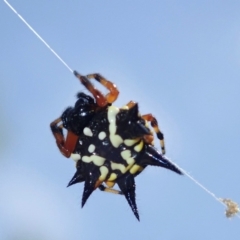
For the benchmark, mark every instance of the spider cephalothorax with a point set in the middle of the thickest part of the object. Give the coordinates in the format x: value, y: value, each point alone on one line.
x: 109, y: 144
x: 74, y: 119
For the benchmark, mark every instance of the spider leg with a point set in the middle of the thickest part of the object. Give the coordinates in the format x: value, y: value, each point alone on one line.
x: 100, y: 99
x: 110, y: 190
x: 66, y: 146
x: 150, y: 118
x: 113, y: 91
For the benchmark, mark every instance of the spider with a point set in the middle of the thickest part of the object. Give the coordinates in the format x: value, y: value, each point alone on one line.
x: 109, y: 144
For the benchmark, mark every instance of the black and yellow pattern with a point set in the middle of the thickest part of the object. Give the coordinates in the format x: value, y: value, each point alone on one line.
x: 110, y: 145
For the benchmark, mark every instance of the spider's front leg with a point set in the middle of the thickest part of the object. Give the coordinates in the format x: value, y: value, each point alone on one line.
x: 113, y: 91
x: 66, y: 146
x: 100, y: 99
x: 150, y: 118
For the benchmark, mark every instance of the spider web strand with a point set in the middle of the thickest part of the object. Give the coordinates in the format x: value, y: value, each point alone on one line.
x: 220, y: 200
x: 29, y: 26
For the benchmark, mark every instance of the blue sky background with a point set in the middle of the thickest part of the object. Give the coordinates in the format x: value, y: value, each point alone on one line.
x: 179, y: 59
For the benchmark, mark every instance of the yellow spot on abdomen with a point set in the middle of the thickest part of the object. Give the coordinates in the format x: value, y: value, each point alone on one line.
x: 139, y: 146
x: 130, y: 142
x: 104, y: 171
x: 115, y: 139
x: 135, y: 168
x: 112, y: 177
x: 118, y: 166
x: 101, y: 135
x: 126, y: 155
x: 97, y: 160
x: 75, y: 156
x: 91, y: 148
x: 87, y: 131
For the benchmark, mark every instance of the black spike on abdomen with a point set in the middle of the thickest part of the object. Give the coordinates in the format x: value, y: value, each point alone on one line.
x: 89, y: 185
x: 152, y: 157
x: 127, y: 185
x: 77, y: 178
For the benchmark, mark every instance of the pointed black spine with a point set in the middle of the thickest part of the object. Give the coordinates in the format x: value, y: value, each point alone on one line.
x: 77, y: 178
x: 127, y: 185
x: 90, y: 185
x: 152, y: 157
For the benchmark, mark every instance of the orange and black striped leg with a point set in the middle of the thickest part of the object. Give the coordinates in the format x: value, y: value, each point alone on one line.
x: 100, y: 99
x: 150, y: 118
x: 113, y: 91
x: 110, y: 190
x: 66, y: 146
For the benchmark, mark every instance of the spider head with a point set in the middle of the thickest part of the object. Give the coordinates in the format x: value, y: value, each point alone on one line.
x: 76, y: 118
x: 130, y: 124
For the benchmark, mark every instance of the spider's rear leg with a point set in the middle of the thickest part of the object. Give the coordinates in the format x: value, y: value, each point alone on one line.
x: 113, y: 91
x: 150, y: 118
x: 100, y: 99
x: 110, y: 190
x: 66, y: 146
